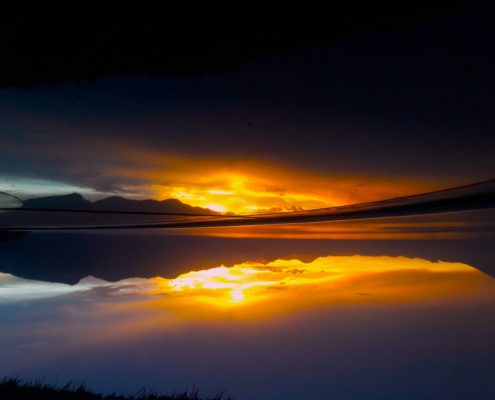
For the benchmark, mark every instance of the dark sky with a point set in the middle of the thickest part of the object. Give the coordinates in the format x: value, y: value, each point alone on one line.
x: 389, y: 106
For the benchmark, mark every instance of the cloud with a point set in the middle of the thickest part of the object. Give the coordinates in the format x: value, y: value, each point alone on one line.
x: 262, y: 289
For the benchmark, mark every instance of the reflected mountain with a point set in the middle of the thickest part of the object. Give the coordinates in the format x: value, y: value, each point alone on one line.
x: 256, y: 289
x: 8, y: 235
x: 69, y: 257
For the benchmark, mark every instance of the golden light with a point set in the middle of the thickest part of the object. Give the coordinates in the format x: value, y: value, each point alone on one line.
x: 251, y: 186
x: 216, y: 207
x: 283, y: 285
x: 242, y: 194
x: 220, y: 285
x: 220, y: 192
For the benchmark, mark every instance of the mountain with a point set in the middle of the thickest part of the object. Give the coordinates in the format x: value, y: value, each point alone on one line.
x: 75, y: 201
x: 72, y: 201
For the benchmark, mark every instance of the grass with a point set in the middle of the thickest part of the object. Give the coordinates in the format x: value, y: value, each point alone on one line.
x: 15, y: 389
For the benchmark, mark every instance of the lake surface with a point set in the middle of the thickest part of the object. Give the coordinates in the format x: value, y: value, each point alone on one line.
x: 406, y: 313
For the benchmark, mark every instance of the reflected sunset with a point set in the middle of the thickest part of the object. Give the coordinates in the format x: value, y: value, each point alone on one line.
x: 283, y: 286
x: 257, y: 289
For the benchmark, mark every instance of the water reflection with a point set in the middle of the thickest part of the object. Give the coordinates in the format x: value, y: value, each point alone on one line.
x: 298, y: 328
x: 255, y: 289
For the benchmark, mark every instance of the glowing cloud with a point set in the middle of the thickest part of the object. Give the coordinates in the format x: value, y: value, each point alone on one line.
x: 256, y: 289
x: 241, y: 195
x: 251, y: 186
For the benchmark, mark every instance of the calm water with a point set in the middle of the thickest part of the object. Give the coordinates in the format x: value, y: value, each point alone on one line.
x: 258, y: 313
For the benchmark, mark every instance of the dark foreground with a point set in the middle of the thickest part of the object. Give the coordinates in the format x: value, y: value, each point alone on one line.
x: 14, y: 389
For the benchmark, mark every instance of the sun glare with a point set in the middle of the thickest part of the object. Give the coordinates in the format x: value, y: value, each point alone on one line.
x: 216, y: 207
x: 242, y: 195
x: 220, y: 285
x: 288, y: 284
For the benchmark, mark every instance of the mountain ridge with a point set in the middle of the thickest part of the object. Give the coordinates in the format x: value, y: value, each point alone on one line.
x: 76, y: 201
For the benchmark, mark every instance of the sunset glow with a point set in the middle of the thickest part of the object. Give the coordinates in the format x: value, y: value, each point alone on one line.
x: 270, y: 189
x: 284, y: 285
x: 243, y: 195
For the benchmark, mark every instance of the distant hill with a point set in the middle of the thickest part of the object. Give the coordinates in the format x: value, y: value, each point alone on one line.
x: 75, y: 201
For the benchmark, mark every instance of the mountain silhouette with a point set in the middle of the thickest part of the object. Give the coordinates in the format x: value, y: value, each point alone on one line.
x: 75, y: 201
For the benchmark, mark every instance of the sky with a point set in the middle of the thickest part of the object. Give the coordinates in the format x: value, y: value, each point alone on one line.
x: 378, y: 113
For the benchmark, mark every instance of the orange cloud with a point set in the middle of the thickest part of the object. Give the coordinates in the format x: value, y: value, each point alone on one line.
x: 224, y: 184
x: 245, y: 187
x: 256, y: 289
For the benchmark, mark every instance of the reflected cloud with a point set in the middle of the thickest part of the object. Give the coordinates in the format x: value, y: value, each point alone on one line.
x: 13, y: 288
x: 254, y: 289
x: 257, y: 289
x: 215, y: 326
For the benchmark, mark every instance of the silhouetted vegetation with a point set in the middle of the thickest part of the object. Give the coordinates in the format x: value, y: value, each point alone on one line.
x: 15, y: 389
x: 86, y: 45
